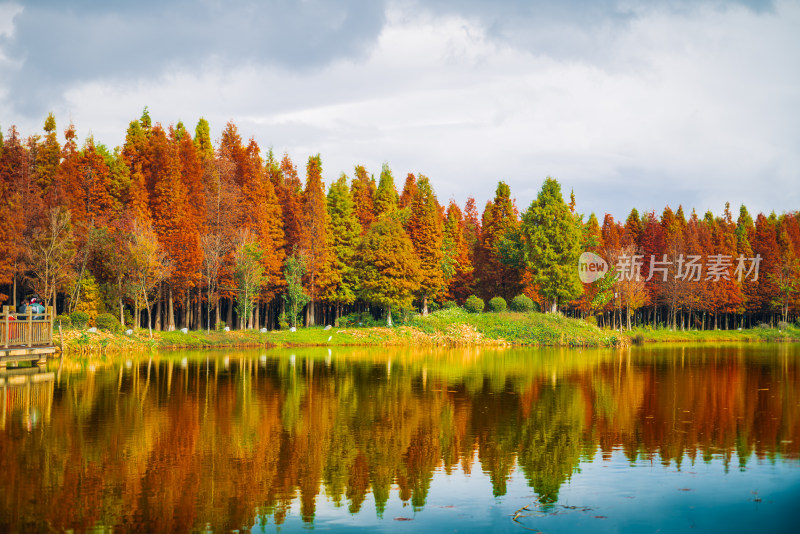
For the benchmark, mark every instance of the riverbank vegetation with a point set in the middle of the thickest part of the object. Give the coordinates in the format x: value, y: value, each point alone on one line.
x: 171, y: 231
x: 444, y: 328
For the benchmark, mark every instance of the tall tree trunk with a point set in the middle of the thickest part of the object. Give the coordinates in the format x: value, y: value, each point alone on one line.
x: 170, y: 311
x: 424, y: 304
x: 198, y: 312
x: 158, y: 308
x: 229, y: 315
x: 389, y: 316
x: 310, y: 314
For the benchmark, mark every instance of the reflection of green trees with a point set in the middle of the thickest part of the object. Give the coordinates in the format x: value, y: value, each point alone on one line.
x: 221, y: 439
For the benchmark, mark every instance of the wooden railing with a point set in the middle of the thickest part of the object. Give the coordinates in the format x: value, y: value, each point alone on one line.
x: 30, y: 329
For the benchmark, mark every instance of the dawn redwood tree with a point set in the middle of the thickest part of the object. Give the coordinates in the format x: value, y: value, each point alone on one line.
x: 591, y: 241
x: 472, y: 225
x: 667, y: 261
x: 177, y: 231
x: 136, y: 155
x: 425, y: 229
x: 89, y: 189
x: 315, y: 239
x: 289, y: 188
x: 651, y: 245
x: 409, y: 190
x: 461, y: 284
x: 495, y: 278
x: 263, y: 216
x: 552, y: 245
x: 611, y: 233
x: 765, y: 244
x: 386, y: 197
x: 787, y: 275
x: 345, y: 234
x: 363, y: 189
x: 633, y: 230
x: 48, y: 159
x: 387, y: 267
x: 202, y: 140
x: 11, y: 206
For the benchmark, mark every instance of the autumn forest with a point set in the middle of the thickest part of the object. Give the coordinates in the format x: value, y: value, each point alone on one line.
x: 171, y: 231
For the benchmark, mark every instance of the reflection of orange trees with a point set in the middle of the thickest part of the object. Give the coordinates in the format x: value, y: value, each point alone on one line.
x: 224, y: 441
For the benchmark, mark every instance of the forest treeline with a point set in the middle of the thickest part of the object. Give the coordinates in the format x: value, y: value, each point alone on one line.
x: 171, y: 230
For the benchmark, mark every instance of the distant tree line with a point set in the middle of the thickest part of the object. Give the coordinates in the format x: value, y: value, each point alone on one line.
x: 171, y: 230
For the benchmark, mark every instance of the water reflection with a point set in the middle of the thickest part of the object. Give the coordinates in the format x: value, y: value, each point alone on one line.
x: 214, y: 440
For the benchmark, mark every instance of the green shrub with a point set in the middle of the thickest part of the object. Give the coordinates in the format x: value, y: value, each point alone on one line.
x: 591, y: 319
x: 360, y: 319
x: 497, y: 304
x: 64, y: 320
x: 107, y: 322
x: 79, y: 319
x: 783, y: 325
x: 521, y: 303
x: 283, y: 321
x: 449, y: 304
x: 474, y: 304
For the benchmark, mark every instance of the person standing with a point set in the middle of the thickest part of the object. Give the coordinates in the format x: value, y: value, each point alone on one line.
x: 38, y: 308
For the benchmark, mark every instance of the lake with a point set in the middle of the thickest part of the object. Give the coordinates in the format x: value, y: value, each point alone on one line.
x: 672, y: 438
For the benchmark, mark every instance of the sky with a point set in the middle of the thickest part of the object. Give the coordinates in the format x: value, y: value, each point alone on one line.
x: 627, y: 103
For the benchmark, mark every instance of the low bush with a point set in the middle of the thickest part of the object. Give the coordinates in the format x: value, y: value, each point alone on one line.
x: 449, y: 304
x: 79, y: 319
x: 107, y: 322
x: 521, y: 303
x: 474, y: 304
x: 497, y: 305
x: 283, y: 321
x: 783, y: 325
x: 360, y: 319
x: 64, y: 321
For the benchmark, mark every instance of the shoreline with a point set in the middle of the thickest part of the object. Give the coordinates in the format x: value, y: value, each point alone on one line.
x: 448, y: 328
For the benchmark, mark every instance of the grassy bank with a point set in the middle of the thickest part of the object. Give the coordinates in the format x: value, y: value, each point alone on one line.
x: 453, y: 327
x: 648, y: 335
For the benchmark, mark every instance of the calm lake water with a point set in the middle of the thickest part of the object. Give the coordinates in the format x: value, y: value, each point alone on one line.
x: 648, y: 439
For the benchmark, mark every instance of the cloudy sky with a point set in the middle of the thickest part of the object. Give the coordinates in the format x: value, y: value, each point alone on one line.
x: 630, y: 103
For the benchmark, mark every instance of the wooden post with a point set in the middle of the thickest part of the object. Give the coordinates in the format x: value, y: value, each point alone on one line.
x: 8, y: 331
x: 50, y: 312
x: 29, y: 333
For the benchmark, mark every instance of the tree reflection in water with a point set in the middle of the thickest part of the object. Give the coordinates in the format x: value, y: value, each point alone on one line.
x: 188, y: 441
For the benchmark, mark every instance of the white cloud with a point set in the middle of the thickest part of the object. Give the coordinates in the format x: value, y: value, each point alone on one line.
x: 693, y: 108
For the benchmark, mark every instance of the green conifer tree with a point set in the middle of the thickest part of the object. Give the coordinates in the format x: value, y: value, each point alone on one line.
x: 387, y: 267
x: 552, y: 245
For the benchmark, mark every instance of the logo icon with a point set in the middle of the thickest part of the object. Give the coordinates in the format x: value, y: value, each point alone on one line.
x: 591, y: 267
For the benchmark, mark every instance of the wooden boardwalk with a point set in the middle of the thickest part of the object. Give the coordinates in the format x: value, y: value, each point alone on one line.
x: 26, y: 337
